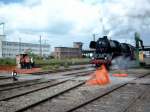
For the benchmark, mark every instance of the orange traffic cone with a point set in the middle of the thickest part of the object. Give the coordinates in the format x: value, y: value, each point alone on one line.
x: 100, y: 77
x: 120, y: 75
x: 92, y: 80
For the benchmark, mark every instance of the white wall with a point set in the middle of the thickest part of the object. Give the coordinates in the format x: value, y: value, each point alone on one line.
x: 11, y: 49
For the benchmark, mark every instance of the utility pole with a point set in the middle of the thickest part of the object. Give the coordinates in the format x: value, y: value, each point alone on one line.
x: 49, y: 49
x: 2, y: 36
x: 94, y: 37
x: 19, y: 45
x: 3, y: 27
x: 40, y: 47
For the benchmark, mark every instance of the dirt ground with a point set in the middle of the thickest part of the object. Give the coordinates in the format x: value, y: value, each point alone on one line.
x: 9, y: 69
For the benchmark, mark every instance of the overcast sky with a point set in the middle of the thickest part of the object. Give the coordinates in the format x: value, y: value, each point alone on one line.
x: 61, y: 22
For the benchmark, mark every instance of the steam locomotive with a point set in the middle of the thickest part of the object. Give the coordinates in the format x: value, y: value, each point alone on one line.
x: 106, y: 50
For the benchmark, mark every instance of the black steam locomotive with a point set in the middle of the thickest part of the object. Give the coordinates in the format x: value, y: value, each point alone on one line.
x: 106, y: 50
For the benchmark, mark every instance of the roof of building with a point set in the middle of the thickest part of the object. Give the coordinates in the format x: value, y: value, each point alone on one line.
x: 24, y: 43
x: 67, y: 47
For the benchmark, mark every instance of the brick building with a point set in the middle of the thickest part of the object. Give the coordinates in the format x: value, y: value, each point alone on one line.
x: 69, y: 52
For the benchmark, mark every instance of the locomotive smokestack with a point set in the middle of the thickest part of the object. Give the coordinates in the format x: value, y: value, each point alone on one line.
x: 93, y: 37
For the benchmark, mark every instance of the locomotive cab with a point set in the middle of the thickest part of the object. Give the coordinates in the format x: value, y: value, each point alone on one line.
x: 93, y: 45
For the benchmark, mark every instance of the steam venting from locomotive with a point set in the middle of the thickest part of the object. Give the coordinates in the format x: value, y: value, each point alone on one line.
x: 122, y: 63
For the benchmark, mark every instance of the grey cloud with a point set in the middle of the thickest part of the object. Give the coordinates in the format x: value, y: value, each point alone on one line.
x: 56, y: 28
x: 61, y: 27
x: 136, y: 18
x: 10, y: 1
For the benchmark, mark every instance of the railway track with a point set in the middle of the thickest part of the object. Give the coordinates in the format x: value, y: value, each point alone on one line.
x: 16, y: 85
x: 23, y: 84
x: 74, y: 99
x: 141, y: 104
x: 70, y: 95
x: 13, y: 93
x: 120, y: 100
x: 2, y: 78
x: 23, y: 102
x: 70, y: 100
x: 117, y: 101
x: 5, y: 80
x: 60, y: 70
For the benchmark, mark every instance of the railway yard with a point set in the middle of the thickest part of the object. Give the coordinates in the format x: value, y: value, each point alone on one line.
x: 74, y: 56
x: 67, y: 91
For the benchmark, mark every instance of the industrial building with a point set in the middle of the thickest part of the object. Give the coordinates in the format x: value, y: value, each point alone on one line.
x: 69, y: 52
x: 11, y: 49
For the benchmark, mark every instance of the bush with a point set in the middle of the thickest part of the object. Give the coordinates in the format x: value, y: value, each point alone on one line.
x: 52, y: 64
x: 61, y: 62
x: 66, y: 65
x: 8, y: 61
